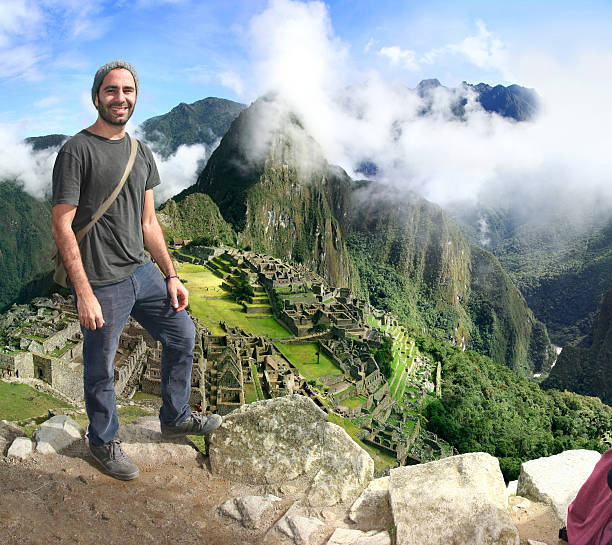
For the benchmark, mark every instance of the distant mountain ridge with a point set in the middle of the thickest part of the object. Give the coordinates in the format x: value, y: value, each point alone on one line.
x: 202, y: 122
x: 513, y: 101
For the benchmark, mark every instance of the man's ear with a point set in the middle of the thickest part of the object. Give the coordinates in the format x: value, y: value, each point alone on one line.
x: 96, y: 101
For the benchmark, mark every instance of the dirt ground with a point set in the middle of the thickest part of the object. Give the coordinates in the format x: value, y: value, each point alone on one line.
x: 65, y: 499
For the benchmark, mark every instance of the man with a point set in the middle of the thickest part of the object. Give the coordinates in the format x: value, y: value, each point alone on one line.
x: 110, y: 275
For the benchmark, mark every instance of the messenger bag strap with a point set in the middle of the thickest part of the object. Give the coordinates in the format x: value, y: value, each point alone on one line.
x: 104, y: 206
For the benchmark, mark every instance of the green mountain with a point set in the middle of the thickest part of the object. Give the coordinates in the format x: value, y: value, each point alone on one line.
x: 203, y: 122
x: 25, y: 245
x: 588, y: 370
x: 277, y: 191
x: 562, y: 262
x: 274, y: 187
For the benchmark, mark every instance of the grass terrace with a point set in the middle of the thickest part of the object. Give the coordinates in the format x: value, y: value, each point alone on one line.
x: 382, y: 460
x: 20, y: 401
x: 304, y: 357
x: 354, y: 401
x: 210, y: 304
x: 404, y: 352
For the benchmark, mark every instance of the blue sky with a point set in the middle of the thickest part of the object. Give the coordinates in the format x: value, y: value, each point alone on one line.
x: 185, y: 50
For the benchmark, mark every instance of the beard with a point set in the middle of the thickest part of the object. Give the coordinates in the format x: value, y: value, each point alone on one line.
x: 107, y: 115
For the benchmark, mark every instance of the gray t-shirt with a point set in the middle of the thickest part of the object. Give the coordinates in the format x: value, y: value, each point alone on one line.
x: 86, y: 171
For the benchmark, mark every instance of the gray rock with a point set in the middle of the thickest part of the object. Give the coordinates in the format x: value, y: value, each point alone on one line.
x: 288, y: 439
x: 21, y: 448
x: 298, y: 528
x: 56, y: 434
x: 534, y: 542
x: 8, y: 433
x: 250, y: 511
x: 372, y: 508
x: 555, y: 480
x: 144, y: 443
x: 456, y: 500
x: 512, y: 488
x: 230, y: 509
x: 344, y: 536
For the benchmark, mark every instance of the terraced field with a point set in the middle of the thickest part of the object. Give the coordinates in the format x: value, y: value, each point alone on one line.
x: 211, y: 304
x: 404, y: 352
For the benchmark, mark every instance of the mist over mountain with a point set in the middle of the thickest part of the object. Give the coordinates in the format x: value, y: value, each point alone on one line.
x: 272, y: 184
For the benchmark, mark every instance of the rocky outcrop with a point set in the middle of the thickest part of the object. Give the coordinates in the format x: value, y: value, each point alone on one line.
x: 56, y: 434
x: 555, y: 480
x: 372, y: 506
x: 8, y: 433
x: 250, y: 511
x: 457, y: 500
x: 288, y: 441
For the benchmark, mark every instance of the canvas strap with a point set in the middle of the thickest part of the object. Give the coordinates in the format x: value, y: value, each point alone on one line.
x: 104, y: 206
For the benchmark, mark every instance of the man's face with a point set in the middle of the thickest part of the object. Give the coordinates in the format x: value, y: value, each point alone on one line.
x: 116, y: 97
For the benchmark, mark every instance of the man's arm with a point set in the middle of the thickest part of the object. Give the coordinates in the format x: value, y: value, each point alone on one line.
x: 155, y: 242
x: 88, y: 307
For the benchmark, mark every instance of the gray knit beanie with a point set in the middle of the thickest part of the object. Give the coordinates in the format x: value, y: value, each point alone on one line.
x: 105, y: 69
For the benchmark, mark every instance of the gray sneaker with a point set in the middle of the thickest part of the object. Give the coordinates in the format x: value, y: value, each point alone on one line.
x: 196, y: 424
x: 116, y: 462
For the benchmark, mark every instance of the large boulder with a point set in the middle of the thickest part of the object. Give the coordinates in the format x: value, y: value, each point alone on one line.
x: 453, y: 501
x: 289, y: 440
x: 56, y: 434
x: 372, y: 507
x: 21, y: 448
x: 555, y: 480
x: 8, y: 433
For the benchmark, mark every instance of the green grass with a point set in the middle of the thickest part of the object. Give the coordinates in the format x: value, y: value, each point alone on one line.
x: 304, y: 357
x: 354, y: 401
x: 250, y: 395
x: 382, y: 460
x: 203, y: 286
x: 258, y: 390
x: 20, y: 401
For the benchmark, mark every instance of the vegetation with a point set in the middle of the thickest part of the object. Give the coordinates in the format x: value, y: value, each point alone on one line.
x: 210, y: 305
x: 20, y: 402
x: 25, y: 245
x: 202, y: 122
x: 486, y: 407
x: 309, y: 360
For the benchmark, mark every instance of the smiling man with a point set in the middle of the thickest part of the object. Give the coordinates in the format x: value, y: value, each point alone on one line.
x: 111, y: 276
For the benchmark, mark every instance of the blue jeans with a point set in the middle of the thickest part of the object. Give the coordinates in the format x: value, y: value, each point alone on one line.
x: 143, y: 296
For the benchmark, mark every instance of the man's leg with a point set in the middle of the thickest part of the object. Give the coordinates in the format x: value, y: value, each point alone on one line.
x: 99, y: 347
x: 176, y: 332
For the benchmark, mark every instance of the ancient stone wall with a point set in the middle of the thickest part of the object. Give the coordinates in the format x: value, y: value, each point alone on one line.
x: 67, y: 377
x: 59, y: 339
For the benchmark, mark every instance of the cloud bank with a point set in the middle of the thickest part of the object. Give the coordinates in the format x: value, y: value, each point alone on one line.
x: 560, y: 159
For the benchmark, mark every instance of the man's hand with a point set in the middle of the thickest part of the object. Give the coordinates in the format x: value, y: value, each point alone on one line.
x: 179, y: 296
x: 90, y: 312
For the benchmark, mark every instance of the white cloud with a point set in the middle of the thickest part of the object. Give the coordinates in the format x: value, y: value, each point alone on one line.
x: 405, y: 58
x: 178, y: 171
x: 563, y: 155
x: 232, y: 81
x: 47, y: 102
x: 18, y: 162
